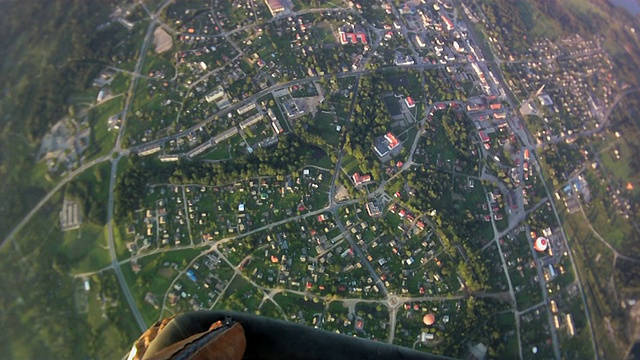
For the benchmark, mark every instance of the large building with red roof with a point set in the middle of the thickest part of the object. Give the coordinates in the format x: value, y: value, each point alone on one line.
x: 448, y: 24
x: 409, y: 102
x: 360, y: 179
x: 391, y: 140
x: 352, y: 34
x: 275, y: 6
x: 385, y: 144
x: 483, y: 136
x: 372, y: 209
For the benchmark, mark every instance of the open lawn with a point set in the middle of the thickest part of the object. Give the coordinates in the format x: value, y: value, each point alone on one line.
x: 269, y: 309
x: 158, y: 62
x: 86, y: 247
x: 621, y: 171
x: 303, y: 5
x: 299, y: 308
x: 507, y: 321
x: 155, y: 278
x: 595, y: 277
x: 325, y: 125
x: 40, y: 175
x: 97, y: 321
x: 323, y: 162
x: 41, y: 229
x: 112, y: 325
x: 101, y: 139
x: 349, y: 164
x: 240, y: 296
x: 538, y: 24
x: 120, y: 83
x: 219, y: 152
x: 392, y: 104
x: 120, y: 239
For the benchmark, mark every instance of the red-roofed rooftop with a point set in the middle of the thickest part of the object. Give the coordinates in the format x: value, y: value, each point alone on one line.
x: 360, y: 179
x: 393, y: 142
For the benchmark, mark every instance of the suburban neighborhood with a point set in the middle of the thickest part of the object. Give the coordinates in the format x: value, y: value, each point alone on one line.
x: 390, y: 170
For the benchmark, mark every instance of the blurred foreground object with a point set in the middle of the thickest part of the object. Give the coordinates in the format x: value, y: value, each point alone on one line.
x: 228, y: 335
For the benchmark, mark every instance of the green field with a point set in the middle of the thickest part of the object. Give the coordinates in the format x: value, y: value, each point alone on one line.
x: 219, y: 152
x: 325, y: 125
x: 87, y: 248
x: 251, y: 232
x: 538, y: 24
x: 120, y: 83
x: 45, y: 258
x: 392, y: 105
x: 240, y: 296
x: 155, y: 278
x: 103, y: 140
x: 507, y: 321
x: 350, y: 164
x: 595, y: 278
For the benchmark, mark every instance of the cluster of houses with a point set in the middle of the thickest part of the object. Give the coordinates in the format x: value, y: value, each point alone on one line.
x: 203, y: 275
x: 405, y: 215
x: 568, y: 104
x: 248, y: 116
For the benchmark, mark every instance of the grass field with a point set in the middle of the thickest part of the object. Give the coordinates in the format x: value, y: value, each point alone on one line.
x: 120, y: 83
x: 103, y: 140
x: 43, y: 227
x: 323, y: 162
x: 325, y: 126
x: 155, y: 278
x: 621, y: 170
x: 438, y: 147
x: 392, y: 104
x: 299, y: 308
x: 240, y: 296
x: 508, y: 321
x: 537, y: 24
x: 269, y: 309
x: 350, y: 164
x: 595, y: 279
x: 158, y: 62
x: 45, y: 258
x: 86, y: 247
x: 41, y: 177
x: 219, y: 152
x: 113, y: 328
x: 303, y: 5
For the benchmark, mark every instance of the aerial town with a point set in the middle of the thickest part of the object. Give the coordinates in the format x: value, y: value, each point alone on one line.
x: 387, y: 170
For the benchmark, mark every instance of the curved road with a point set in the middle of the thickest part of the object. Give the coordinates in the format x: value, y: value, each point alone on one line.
x: 44, y: 200
x: 332, y: 206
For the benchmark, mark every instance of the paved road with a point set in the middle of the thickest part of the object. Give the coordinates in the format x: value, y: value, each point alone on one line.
x: 112, y: 251
x: 225, y: 34
x: 134, y: 81
x: 363, y: 259
x: 114, y: 170
x: 332, y: 207
x: 502, y: 259
x: 53, y: 191
x: 405, y: 33
x: 615, y: 252
x: 523, y: 136
x: 268, y: 90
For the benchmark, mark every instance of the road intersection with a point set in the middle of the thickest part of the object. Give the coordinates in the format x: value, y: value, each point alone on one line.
x: 392, y: 301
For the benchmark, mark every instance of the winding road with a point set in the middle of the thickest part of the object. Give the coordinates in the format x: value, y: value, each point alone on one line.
x: 392, y: 301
